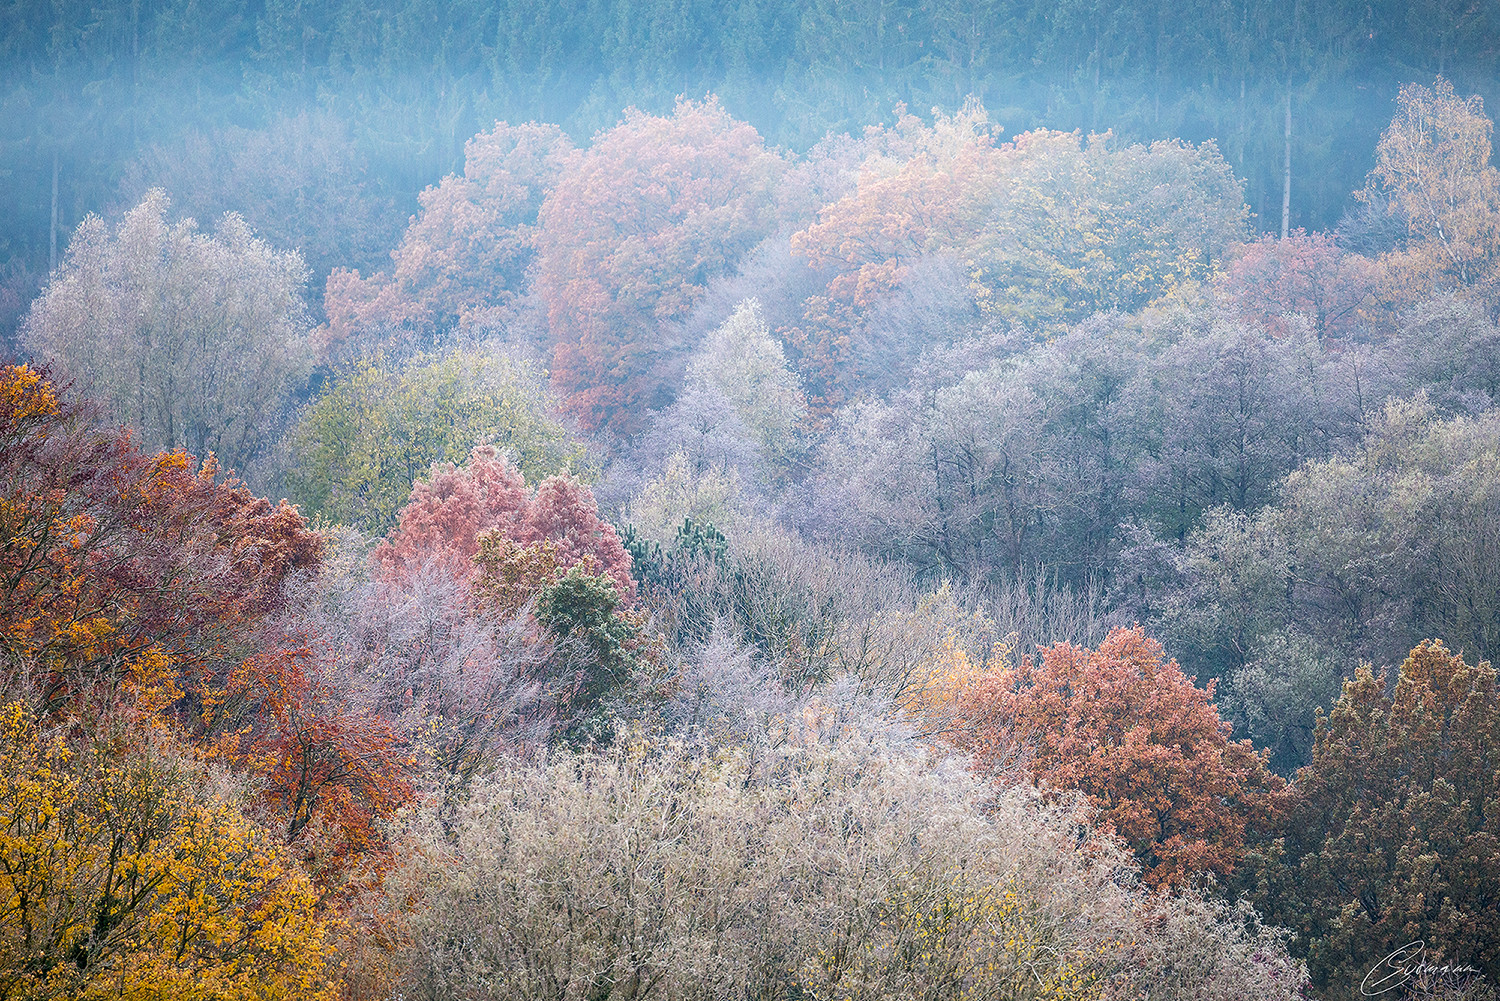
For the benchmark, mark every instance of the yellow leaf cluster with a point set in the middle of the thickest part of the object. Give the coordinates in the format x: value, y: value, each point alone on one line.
x: 25, y: 395
x: 122, y: 876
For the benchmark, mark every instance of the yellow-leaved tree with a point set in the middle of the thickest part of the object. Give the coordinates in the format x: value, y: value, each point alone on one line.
x: 1433, y: 172
x: 125, y: 873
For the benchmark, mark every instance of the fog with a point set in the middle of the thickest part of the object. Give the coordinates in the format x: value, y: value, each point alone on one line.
x: 121, y: 96
x: 780, y: 500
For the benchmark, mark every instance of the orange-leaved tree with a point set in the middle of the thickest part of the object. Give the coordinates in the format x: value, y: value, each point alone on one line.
x: 466, y: 254
x: 140, y: 582
x: 630, y: 236
x: 112, y: 559
x: 934, y: 199
x: 1147, y: 747
x: 329, y: 769
x: 1433, y: 173
x: 867, y: 241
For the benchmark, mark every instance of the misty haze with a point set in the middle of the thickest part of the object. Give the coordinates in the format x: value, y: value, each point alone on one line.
x: 847, y: 500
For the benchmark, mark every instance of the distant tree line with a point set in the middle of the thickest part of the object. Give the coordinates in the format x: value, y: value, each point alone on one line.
x: 321, y: 122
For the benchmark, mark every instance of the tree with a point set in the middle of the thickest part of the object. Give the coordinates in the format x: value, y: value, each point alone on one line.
x: 466, y: 254
x: 330, y: 770
x: 949, y: 488
x: 548, y: 585
x: 1304, y: 274
x: 1226, y: 592
x: 1393, y: 830
x: 133, y: 581
x: 1398, y: 540
x: 359, y: 448
x: 124, y: 873
x: 607, y: 641
x: 822, y: 864
x: 1449, y: 347
x: 709, y: 496
x: 932, y: 198
x: 1433, y: 169
x: 1078, y: 227
x: 1276, y: 699
x: 461, y: 681
x: 998, y: 466
x: 629, y: 237
x: 112, y: 558
x: 1134, y: 734
x: 1226, y: 411
x: 1049, y: 229
x: 447, y: 517
x: 199, y: 341
x: 741, y: 361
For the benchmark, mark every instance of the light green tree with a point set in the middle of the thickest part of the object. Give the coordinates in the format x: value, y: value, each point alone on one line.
x: 743, y: 362
x: 357, y: 450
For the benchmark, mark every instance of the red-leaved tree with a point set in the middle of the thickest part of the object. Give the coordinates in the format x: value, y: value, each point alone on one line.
x: 449, y: 514
x: 1134, y: 734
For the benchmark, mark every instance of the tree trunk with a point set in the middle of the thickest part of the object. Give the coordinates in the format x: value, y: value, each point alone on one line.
x: 1286, y: 167
x: 1242, y: 125
x: 52, y: 235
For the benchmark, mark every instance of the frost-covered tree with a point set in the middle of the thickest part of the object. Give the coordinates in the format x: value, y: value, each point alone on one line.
x: 197, y: 340
x: 744, y: 363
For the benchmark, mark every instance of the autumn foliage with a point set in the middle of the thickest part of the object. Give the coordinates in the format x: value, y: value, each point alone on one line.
x: 903, y: 431
x: 867, y: 240
x: 124, y: 874
x: 1393, y: 835
x: 448, y: 516
x: 136, y: 586
x: 1048, y: 228
x: 542, y: 555
x: 630, y: 236
x: 1433, y: 174
x: 330, y: 772
x: 1129, y: 729
x: 1303, y: 275
x: 109, y: 554
x: 463, y: 260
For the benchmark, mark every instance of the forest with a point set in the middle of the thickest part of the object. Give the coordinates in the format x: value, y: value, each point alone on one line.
x: 322, y: 122
x: 764, y: 543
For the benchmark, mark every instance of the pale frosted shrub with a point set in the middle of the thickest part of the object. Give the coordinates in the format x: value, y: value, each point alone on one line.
x: 824, y: 864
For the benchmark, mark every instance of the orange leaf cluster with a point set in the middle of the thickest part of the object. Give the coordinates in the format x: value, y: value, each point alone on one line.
x: 330, y: 771
x: 1137, y: 737
x: 866, y: 239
